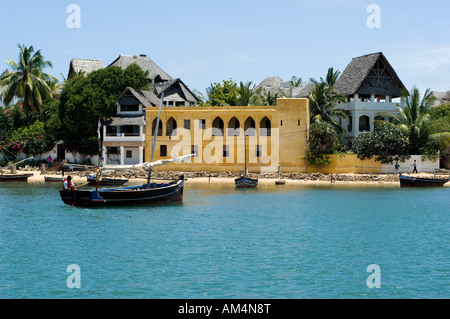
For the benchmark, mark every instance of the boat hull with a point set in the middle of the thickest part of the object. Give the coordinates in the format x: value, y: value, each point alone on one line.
x: 408, y: 181
x: 15, y: 178
x: 245, y: 182
x: 92, y: 181
x: 139, y: 195
x: 52, y: 179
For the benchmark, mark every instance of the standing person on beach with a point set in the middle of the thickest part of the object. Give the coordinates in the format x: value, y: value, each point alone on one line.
x: 396, y: 166
x: 415, y: 167
x: 279, y: 168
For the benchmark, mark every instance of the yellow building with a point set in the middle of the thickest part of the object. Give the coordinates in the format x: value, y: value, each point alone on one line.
x: 273, y: 135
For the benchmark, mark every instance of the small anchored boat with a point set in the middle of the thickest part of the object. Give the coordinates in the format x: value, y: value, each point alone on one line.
x: 15, y: 177
x: 246, y: 182
x: 410, y: 181
x: 243, y: 181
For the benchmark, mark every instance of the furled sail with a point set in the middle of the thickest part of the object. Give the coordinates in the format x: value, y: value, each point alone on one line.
x: 146, y: 166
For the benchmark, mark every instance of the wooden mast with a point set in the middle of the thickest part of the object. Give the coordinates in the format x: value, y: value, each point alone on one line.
x: 155, y: 134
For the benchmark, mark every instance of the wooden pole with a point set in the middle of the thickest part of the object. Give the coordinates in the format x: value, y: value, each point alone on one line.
x: 155, y: 134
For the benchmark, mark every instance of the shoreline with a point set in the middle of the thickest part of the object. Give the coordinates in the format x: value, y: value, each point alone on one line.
x: 313, y: 179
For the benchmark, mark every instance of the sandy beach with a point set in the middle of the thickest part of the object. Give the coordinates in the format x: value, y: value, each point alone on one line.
x: 339, y: 179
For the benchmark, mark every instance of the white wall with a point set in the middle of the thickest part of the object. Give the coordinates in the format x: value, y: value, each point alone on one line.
x: 406, y: 167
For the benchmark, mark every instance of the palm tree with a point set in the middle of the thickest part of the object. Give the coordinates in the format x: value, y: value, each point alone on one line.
x: 246, y: 94
x: 27, y: 81
x: 295, y: 82
x: 414, y: 120
x: 323, y: 138
x: 330, y: 79
x: 323, y: 101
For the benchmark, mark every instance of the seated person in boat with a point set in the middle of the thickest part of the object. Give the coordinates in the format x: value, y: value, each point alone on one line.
x: 68, y: 184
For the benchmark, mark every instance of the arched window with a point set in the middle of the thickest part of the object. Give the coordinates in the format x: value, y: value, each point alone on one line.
x: 171, y: 128
x: 249, y: 127
x: 233, y: 127
x: 217, y: 127
x: 265, y: 127
x: 160, y: 127
x: 364, y: 124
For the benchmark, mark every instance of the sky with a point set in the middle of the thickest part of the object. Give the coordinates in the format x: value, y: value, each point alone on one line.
x: 202, y: 42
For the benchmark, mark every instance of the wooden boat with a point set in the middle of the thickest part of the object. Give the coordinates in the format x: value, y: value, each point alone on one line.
x: 409, y: 181
x: 155, y: 193
x: 92, y: 181
x: 149, y: 193
x: 280, y: 182
x: 52, y: 179
x: 15, y: 177
x: 244, y: 181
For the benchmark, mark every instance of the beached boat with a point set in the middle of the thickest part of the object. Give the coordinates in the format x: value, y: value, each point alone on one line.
x: 15, y: 177
x: 52, y: 179
x: 409, y: 181
x: 92, y: 181
x: 244, y: 181
x: 280, y: 182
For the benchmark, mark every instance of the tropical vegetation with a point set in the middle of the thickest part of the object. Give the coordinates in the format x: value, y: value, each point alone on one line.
x: 27, y: 80
x: 415, y: 129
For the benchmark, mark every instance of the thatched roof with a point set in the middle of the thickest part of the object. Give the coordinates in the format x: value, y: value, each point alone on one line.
x: 369, y: 74
x: 84, y: 65
x: 155, y: 72
x: 121, y: 120
x: 441, y: 97
x: 146, y: 98
x: 182, y: 89
x: 304, y: 92
x: 273, y: 85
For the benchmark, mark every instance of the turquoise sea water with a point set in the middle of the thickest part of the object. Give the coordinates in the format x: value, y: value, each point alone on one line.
x: 277, y: 242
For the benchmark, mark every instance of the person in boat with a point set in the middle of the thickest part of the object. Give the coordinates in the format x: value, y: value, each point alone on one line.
x: 68, y: 184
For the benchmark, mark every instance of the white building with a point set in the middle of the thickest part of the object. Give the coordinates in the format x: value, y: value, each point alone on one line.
x: 370, y: 85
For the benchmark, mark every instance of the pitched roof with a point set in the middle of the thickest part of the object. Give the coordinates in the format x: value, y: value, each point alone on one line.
x: 84, y: 65
x: 304, y: 92
x: 121, y: 120
x: 155, y: 72
x: 273, y: 85
x: 177, y: 83
x: 441, y: 97
x: 357, y: 71
x: 146, y: 98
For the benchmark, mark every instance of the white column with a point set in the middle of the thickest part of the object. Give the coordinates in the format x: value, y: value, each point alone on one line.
x: 105, y: 155
x: 141, y: 133
x: 372, y: 98
x: 371, y: 119
x: 141, y: 154
x: 122, y: 155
